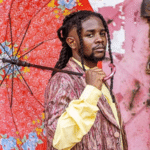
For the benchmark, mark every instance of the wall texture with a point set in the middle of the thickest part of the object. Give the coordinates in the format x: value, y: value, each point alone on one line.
x: 129, y: 34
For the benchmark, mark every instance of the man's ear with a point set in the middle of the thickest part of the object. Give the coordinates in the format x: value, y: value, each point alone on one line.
x: 71, y: 42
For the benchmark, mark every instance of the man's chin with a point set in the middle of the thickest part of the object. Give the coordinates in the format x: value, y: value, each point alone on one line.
x: 99, y: 59
x: 94, y: 59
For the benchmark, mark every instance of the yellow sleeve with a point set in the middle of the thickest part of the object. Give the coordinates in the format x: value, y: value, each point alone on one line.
x: 77, y: 120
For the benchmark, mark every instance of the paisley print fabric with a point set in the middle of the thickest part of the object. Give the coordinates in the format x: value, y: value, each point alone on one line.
x: 105, y: 132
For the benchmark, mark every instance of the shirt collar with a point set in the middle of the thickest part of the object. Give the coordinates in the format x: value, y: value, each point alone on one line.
x: 79, y: 63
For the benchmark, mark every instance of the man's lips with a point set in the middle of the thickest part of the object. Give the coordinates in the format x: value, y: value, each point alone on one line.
x: 99, y: 49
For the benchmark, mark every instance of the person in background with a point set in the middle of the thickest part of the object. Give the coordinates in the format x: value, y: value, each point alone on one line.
x: 79, y: 110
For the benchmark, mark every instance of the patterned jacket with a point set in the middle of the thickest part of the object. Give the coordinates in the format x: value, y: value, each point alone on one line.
x: 63, y: 88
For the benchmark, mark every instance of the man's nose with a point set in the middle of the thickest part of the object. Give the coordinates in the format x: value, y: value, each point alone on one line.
x: 98, y: 39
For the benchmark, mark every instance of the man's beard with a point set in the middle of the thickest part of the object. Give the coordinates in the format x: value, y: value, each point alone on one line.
x: 93, y: 59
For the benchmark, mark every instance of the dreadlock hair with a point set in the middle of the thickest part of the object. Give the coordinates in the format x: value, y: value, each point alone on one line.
x: 75, y: 20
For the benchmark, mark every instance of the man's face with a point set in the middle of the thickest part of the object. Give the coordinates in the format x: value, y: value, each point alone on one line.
x: 94, y: 39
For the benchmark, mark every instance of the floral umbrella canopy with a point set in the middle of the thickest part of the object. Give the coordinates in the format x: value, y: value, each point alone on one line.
x: 28, y: 32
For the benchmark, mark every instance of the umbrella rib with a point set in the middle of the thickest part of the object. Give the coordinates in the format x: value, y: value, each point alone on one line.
x: 38, y: 101
x: 33, y: 95
x: 13, y: 116
x: 31, y: 49
x: 5, y: 40
x: 8, y: 20
x: 11, y: 104
x: 5, y: 50
x: 4, y: 66
x: 23, y: 37
x: 28, y: 87
x: 20, y: 34
x: 7, y: 90
x: 11, y: 34
x: 24, y: 80
x: 6, y: 32
x: 51, y: 39
x: 14, y: 122
x: 5, y: 76
x: 12, y: 88
x: 35, y: 47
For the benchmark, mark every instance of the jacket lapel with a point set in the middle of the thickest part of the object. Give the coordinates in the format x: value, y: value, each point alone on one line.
x: 117, y: 107
x: 106, y: 110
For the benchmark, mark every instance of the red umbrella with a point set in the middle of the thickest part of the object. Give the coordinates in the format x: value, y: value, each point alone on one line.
x: 28, y: 33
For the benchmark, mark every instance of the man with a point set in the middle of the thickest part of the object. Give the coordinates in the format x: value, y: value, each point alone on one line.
x: 80, y: 114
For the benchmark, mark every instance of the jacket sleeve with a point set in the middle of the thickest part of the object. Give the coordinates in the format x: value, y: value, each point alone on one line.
x: 69, y: 118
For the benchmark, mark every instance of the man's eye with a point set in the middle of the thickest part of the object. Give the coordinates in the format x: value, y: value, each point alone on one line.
x: 102, y: 33
x: 90, y: 35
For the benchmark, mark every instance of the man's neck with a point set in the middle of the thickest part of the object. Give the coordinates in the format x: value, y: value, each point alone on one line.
x: 90, y: 64
x: 87, y: 63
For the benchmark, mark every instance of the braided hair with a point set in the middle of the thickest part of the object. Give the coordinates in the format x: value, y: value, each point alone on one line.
x: 75, y: 20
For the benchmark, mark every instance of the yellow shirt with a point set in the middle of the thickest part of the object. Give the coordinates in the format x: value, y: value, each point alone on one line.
x: 105, y: 92
x: 70, y: 131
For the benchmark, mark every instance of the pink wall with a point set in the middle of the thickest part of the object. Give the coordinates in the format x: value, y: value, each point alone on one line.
x: 130, y: 47
x: 135, y: 59
x: 130, y: 60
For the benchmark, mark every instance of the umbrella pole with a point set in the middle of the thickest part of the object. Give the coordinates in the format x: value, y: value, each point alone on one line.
x: 26, y: 64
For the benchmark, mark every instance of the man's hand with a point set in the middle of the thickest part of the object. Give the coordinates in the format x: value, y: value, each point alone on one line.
x: 95, y: 77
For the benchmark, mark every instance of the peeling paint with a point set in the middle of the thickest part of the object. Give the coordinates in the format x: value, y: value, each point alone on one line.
x: 121, y: 9
x: 104, y: 3
x: 114, y: 24
x: 117, y: 41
